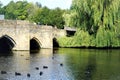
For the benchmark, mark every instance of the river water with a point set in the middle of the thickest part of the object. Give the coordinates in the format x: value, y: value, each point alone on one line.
x: 62, y: 64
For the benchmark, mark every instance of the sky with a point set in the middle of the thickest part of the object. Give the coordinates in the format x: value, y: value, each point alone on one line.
x: 63, y: 4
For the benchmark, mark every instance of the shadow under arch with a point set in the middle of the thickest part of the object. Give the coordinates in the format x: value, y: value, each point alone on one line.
x: 6, y: 43
x: 35, y: 44
x: 55, y: 43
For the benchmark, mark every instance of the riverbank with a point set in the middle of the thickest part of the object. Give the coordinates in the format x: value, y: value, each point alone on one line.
x: 82, y: 39
x: 91, y: 47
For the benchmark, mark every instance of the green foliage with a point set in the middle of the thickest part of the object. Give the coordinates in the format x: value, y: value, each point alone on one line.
x: 89, y: 15
x: 16, y: 10
x: 70, y: 19
x: 103, y: 38
x: 65, y: 41
x: 50, y: 17
x: 1, y: 8
x: 32, y: 10
x: 81, y: 39
x: 56, y: 18
x: 98, y: 20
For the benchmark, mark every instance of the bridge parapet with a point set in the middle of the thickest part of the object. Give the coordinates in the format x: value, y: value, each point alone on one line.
x: 13, y: 23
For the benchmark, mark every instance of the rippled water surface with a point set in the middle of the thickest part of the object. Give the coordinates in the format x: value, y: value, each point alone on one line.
x: 62, y: 63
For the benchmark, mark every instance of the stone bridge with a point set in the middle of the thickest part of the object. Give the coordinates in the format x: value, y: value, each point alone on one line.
x: 23, y: 35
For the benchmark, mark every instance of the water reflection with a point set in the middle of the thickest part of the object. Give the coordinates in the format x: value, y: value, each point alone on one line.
x: 84, y: 64
x: 90, y: 68
x: 78, y: 64
x: 6, y: 54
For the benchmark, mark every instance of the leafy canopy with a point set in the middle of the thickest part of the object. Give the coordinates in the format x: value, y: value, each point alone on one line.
x: 89, y: 15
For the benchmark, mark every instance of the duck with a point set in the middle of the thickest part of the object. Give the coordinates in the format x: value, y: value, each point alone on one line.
x: 17, y: 74
x: 28, y: 75
x: 41, y: 73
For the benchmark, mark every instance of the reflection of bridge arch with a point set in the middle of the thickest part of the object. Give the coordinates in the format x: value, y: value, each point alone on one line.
x: 6, y: 43
x: 35, y: 44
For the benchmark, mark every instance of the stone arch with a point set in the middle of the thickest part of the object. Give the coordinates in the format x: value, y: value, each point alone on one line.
x: 55, y: 42
x: 35, y: 44
x: 6, y: 43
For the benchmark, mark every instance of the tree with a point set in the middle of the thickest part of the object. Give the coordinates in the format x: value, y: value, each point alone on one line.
x: 56, y: 17
x: 89, y: 15
x: 20, y: 11
x: 9, y: 9
x: 1, y: 8
x: 41, y: 16
x: 32, y: 10
x: 48, y: 16
x: 98, y: 23
x: 16, y: 10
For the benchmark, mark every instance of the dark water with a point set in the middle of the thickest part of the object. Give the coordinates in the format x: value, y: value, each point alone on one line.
x: 78, y: 64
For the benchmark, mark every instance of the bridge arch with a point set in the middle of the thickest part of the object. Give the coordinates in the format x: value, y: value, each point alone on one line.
x: 6, y: 43
x: 35, y: 44
x: 55, y: 42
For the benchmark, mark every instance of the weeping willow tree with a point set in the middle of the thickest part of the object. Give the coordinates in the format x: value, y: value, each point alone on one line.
x: 89, y: 15
x: 100, y: 18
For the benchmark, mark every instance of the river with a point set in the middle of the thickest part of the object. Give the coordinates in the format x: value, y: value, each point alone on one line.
x: 61, y: 64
